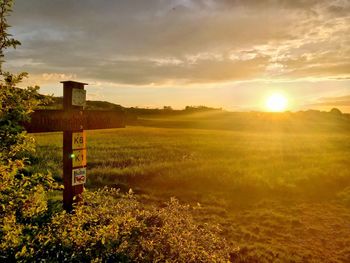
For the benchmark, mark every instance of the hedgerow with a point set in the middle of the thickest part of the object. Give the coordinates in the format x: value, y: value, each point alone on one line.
x: 112, y: 227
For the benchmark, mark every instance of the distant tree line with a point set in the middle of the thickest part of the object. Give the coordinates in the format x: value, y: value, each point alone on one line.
x: 56, y: 103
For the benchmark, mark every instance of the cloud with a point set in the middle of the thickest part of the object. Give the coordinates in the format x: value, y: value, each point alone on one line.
x: 182, y: 41
x: 327, y: 103
x: 345, y: 100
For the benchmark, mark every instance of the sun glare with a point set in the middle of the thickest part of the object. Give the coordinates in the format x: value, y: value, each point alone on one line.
x: 276, y: 102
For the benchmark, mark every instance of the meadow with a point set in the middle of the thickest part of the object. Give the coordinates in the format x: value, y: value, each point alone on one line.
x: 277, y: 185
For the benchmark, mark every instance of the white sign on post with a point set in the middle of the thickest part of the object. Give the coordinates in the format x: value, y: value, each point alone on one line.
x: 79, y: 176
x: 78, y: 97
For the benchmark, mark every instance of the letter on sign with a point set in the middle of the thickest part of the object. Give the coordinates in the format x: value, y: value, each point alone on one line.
x: 78, y: 97
x: 78, y: 140
x: 79, y: 176
x: 79, y: 158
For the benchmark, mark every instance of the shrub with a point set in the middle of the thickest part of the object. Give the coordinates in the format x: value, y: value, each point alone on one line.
x: 111, y: 227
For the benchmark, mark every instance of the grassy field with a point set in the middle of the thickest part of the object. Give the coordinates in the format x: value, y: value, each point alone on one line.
x: 280, y: 194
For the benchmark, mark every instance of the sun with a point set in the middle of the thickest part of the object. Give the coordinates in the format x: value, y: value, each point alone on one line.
x: 276, y: 102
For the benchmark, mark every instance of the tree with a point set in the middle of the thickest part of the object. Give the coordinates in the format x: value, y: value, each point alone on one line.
x: 16, y: 104
x: 335, y: 111
x: 6, y: 39
x: 22, y: 195
x: 167, y: 108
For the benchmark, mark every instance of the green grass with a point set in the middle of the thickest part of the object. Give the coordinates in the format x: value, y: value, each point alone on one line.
x: 279, y: 195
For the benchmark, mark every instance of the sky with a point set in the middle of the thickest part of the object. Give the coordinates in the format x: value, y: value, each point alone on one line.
x: 229, y: 54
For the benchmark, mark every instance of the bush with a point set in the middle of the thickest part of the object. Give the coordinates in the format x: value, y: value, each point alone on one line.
x: 111, y: 227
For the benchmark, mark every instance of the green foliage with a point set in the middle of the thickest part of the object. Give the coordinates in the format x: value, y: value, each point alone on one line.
x: 23, y: 203
x: 6, y: 39
x: 111, y: 227
x: 22, y: 194
x: 16, y: 105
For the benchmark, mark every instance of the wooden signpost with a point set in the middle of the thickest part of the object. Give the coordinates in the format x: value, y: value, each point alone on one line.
x: 73, y: 121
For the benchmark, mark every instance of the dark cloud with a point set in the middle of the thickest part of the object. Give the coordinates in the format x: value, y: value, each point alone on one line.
x: 196, y: 41
x: 203, y: 71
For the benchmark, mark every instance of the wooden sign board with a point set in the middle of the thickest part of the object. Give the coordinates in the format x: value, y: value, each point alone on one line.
x: 60, y: 120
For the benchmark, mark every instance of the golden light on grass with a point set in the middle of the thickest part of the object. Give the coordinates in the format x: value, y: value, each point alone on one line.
x: 276, y: 102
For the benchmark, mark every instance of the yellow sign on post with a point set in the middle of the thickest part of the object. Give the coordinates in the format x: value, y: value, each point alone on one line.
x: 79, y: 158
x: 78, y: 140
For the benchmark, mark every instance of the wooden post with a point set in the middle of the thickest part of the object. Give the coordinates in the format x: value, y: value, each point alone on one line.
x: 72, y: 120
x: 71, y: 106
